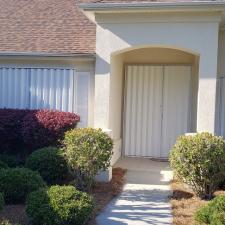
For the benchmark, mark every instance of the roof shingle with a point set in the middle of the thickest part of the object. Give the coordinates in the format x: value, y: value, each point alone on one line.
x: 52, y: 26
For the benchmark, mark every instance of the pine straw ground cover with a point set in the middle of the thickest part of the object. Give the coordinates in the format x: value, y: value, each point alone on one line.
x: 103, y: 193
x: 185, y: 203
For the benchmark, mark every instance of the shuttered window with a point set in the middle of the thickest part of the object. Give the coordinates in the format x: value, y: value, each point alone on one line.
x: 52, y: 88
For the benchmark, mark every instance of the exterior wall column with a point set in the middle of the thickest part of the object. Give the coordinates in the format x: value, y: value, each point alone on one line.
x: 206, y: 109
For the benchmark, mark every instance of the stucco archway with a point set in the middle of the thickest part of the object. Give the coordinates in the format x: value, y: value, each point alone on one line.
x: 154, y: 55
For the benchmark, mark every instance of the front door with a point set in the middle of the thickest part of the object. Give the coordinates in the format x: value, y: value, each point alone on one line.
x: 156, y: 108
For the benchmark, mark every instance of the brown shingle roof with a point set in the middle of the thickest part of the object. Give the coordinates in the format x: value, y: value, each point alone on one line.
x: 52, y: 26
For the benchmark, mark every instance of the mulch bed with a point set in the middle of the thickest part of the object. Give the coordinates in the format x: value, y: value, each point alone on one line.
x: 103, y: 193
x: 185, y: 203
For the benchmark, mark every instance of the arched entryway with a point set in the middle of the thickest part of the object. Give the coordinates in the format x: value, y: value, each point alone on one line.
x: 153, y: 96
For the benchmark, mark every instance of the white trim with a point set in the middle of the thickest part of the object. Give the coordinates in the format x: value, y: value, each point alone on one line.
x: 145, y: 17
x: 36, y: 66
x: 155, y: 6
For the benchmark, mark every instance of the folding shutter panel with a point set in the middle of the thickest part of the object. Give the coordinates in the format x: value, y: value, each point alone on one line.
x: 52, y: 88
x: 14, y: 88
x: 176, y: 102
x: 82, y: 97
x: 143, y: 110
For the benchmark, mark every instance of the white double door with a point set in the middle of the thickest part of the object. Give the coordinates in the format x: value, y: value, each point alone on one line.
x: 156, y: 109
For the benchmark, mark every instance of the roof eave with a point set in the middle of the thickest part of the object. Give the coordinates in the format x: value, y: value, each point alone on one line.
x: 156, y: 6
x: 86, y: 56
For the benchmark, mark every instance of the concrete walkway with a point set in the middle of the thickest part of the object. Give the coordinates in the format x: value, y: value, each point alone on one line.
x: 144, y: 199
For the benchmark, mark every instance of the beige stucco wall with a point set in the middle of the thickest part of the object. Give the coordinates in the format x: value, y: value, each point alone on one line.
x: 120, y: 33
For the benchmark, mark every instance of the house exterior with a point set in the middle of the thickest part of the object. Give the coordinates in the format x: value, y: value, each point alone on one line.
x: 144, y: 71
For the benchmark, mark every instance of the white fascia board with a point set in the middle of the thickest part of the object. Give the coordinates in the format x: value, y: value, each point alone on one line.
x: 90, y: 9
x: 65, y: 56
x: 158, y: 6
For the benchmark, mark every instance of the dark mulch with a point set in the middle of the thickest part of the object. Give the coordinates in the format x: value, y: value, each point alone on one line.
x: 103, y: 193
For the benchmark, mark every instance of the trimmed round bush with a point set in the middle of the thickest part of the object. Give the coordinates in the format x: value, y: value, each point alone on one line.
x: 199, y: 161
x: 16, y: 183
x: 2, y: 201
x: 50, y: 163
x: 213, y: 213
x: 59, y: 205
x: 87, y: 151
x: 3, y: 165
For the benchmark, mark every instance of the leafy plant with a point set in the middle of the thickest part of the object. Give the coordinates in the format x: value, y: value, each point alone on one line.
x: 213, y: 213
x: 59, y: 205
x: 50, y: 163
x: 87, y: 151
x: 200, y: 162
x: 16, y: 183
x: 3, y: 165
x: 42, y: 128
x: 10, y: 127
x: 22, y: 131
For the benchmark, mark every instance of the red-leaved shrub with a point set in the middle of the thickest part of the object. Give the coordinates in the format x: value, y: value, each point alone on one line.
x: 42, y: 128
x: 22, y: 131
x: 10, y: 125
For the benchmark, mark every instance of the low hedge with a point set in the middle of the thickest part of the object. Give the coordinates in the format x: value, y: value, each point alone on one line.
x: 59, y: 205
x: 42, y: 128
x: 50, y: 163
x: 3, y: 165
x: 2, y: 201
x: 22, y: 131
x: 16, y: 183
x: 10, y: 130
x: 213, y: 213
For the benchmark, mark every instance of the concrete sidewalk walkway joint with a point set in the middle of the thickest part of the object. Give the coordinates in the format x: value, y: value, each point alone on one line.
x: 144, y: 199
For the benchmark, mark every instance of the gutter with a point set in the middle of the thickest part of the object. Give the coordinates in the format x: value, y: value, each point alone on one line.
x: 85, y: 56
x: 154, y: 6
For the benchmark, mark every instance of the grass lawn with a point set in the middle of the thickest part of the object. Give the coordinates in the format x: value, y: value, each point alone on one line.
x: 102, y: 193
x: 185, y: 203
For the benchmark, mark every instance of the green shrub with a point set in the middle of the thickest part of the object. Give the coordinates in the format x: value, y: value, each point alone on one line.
x: 2, y: 201
x: 3, y: 165
x: 87, y: 151
x: 213, y: 213
x: 16, y: 183
x: 50, y: 163
x: 59, y: 205
x: 200, y: 162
